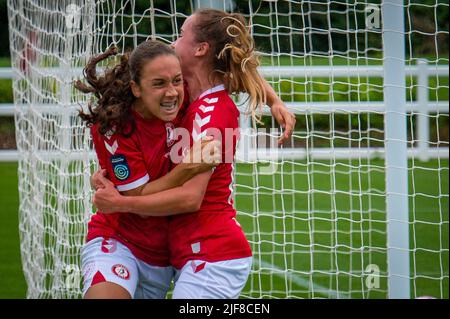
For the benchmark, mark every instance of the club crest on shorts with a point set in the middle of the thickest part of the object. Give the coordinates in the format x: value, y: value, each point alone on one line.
x: 121, y: 271
x: 170, y: 134
x: 120, y: 167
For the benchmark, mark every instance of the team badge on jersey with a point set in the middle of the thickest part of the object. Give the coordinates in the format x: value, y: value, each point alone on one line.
x: 121, y: 271
x: 170, y: 134
x: 120, y: 167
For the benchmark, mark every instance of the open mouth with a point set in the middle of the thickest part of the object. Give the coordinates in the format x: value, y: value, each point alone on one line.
x: 169, y: 106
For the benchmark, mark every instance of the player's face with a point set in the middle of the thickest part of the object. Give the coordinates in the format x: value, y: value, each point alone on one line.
x: 185, y: 45
x: 160, y: 91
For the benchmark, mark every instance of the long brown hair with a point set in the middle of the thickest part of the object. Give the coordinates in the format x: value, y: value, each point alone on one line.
x: 233, y: 53
x: 114, y: 98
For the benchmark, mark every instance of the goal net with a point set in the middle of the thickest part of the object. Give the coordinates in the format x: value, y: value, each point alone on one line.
x: 355, y: 205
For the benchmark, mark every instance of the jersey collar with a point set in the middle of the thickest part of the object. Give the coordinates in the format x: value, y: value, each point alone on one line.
x: 215, y: 89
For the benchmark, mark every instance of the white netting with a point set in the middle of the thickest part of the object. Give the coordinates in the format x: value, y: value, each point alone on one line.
x: 314, y: 211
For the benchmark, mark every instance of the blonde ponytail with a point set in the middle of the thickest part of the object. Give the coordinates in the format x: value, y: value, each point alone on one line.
x: 234, y: 55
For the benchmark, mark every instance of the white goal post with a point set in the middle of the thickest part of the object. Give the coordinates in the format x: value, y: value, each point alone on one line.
x: 355, y: 205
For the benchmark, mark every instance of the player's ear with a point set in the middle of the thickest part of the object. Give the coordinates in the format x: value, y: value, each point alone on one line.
x: 135, y: 89
x: 202, y: 49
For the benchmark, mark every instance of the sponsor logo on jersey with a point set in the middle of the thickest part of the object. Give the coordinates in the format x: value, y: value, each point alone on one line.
x: 170, y: 128
x: 109, y: 245
x: 121, y: 271
x: 109, y: 133
x: 120, y: 167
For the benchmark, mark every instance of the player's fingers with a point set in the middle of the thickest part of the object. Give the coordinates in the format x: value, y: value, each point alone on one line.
x: 100, y: 172
x: 205, y: 140
x: 215, y: 144
x: 95, y: 199
x: 282, y: 139
x: 217, y: 155
x: 212, y: 154
x: 98, y: 199
x: 288, y: 129
x: 280, y: 119
x: 94, y: 179
x: 277, y: 113
x: 289, y: 120
x: 102, y: 180
x: 197, y: 149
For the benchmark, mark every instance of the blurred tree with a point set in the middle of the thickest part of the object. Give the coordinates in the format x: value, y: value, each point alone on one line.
x: 428, y: 18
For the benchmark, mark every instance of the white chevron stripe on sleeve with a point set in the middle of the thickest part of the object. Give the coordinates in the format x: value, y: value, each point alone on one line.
x: 211, y: 101
x: 202, y: 121
x: 197, y: 136
x: 206, y: 109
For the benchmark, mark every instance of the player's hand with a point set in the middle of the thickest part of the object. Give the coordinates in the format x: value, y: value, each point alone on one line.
x: 106, y: 198
x: 204, y: 155
x: 96, y: 182
x: 285, y: 119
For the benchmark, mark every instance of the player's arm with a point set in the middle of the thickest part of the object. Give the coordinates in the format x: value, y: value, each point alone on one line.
x: 176, y: 177
x: 210, y: 156
x: 206, y: 150
x: 183, y: 199
x: 280, y: 113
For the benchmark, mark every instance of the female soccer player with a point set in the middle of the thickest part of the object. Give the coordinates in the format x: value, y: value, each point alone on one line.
x: 126, y: 255
x: 207, y: 247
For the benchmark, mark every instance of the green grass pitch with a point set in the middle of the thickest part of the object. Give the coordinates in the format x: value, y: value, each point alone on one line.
x: 314, y: 236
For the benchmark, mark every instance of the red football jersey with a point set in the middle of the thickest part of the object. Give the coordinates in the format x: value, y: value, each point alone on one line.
x: 212, y: 233
x: 132, y: 162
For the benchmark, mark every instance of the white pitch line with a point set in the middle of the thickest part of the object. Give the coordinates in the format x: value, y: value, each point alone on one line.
x: 299, y: 281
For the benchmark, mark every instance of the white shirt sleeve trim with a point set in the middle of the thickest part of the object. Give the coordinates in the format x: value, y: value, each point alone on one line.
x: 141, y: 181
x: 215, y: 89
